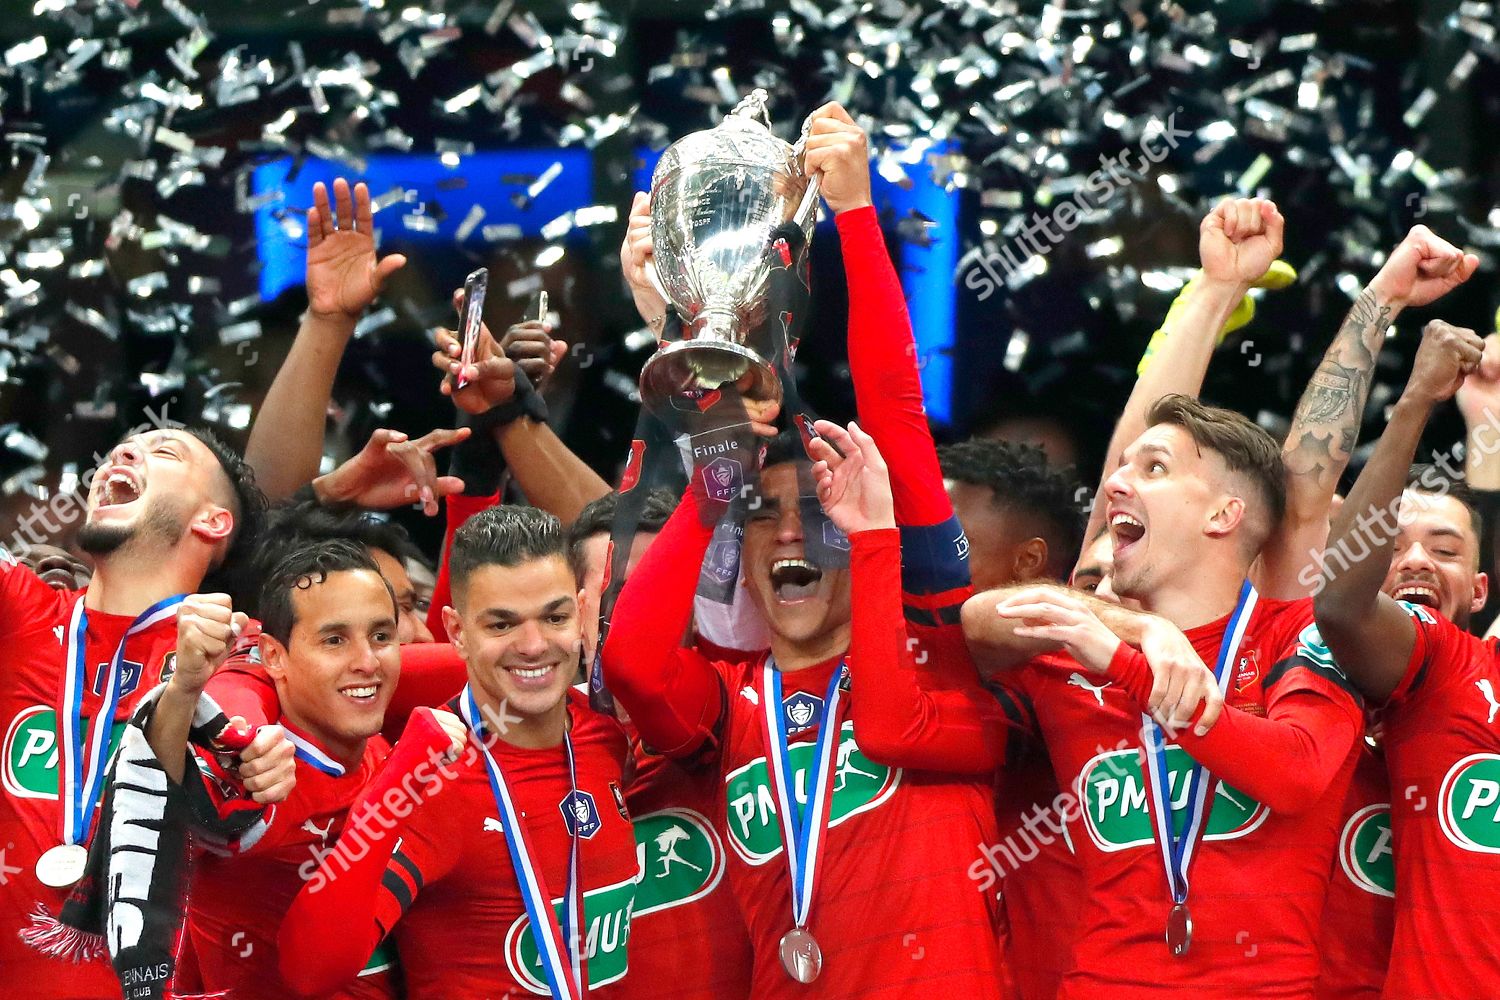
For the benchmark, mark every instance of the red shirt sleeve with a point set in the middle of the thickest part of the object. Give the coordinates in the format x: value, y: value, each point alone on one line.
x: 901, y: 719
x: 459, y: 508
x: 24, y: 599
x: 1289, y: 759
x: 431, y: 673
x: 884, y: 366
x: 349, y: 889
x: 673, y: 693
x: 1438, y: 655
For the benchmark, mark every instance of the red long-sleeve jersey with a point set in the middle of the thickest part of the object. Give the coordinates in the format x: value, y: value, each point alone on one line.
x: 1359, y: 916
x: 457, y: 508
x: 893, y: 919
x: 1442, y: 745
x: 34, y: 621
x: 1280, y: 755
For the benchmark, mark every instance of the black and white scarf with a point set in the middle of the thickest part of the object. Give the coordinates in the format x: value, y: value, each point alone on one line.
x: 131, y: 902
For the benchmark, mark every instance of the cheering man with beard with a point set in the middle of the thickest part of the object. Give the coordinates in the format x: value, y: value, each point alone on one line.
x: 167, y: 508
x: 520, y: 874
x: 1397, y: 620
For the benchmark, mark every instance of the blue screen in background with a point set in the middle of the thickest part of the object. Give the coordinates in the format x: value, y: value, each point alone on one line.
x: 493, y: 180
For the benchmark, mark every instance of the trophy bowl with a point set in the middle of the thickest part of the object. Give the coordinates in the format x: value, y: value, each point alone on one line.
x: 717, y: 196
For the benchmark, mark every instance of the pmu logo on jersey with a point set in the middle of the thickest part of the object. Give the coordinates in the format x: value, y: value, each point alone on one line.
x: 1470, y: 803
x: 1116, y: 813
x: 800, y: 710
x: 680, y: 857
x: 581, y: 814
x: 1365, y: 850
x: 859, y: 785
x: 722, y: 479
x: 30, y: 749
x: 606, y: 915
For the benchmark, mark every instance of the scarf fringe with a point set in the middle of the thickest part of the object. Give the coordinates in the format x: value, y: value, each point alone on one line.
x: 55, y: 939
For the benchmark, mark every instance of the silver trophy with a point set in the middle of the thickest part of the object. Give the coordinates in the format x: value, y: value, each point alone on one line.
x: 716, y: 197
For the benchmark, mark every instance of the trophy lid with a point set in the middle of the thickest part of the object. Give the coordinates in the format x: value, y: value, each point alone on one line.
x: 744, y: 136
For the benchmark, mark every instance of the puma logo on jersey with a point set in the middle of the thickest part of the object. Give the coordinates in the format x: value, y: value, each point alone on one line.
x: 491, y: 823
x: 57, y: 630
x: 1076, y: 679
x: 1488, y: 690
x: 312, y: 828
x: 749, y: 694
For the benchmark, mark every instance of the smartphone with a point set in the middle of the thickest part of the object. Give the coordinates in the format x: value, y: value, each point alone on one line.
x: 475, y: 287
x: 541, y: 306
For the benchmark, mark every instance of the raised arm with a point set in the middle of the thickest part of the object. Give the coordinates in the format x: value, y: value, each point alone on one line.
x: 1369, y: 634
x: 343, y: 278
x: 1237, y: 243
x: 500, y: 396
x: 900, y: 721
x: 673, y: 693
x: 1327, y: 420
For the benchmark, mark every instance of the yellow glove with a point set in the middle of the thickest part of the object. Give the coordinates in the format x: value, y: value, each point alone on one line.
x: 1279, y: 275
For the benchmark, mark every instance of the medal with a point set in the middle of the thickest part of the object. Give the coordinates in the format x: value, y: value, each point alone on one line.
x: 1177, y: 850
x: 1179, y: 929
x: 85, y: 752
x: 800, y: 955
x: 62, y: 866
x: 803, y: 829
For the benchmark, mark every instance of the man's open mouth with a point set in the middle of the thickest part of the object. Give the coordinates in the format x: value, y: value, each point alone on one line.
x: 119, y: 489
x: 794, y: 579
x: 1125, y: 530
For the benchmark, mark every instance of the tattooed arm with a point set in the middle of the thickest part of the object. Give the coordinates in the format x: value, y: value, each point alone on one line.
x: 1320, y: 442
x: 1421, y: 269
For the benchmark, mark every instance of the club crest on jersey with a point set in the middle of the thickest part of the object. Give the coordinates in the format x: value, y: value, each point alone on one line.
x: 581, y: 814
x: 799, y: 710
x: 1365, y: 850
x: 1469, y: 803
x: 722, y: 478
x: 168, y: 666
x: 614, y: 789
x: 1247, y: 671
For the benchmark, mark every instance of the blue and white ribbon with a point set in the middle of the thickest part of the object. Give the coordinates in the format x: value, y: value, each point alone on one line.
x: 560, y: 946
x: 1177, y: 851
x: 313, y: 756
x: 802, y: 830
x: 83, y: 767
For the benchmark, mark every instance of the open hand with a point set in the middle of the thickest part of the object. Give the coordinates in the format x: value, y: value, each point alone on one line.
x: 391, y: 470
x: 853, y: 483
x: 343, y: 274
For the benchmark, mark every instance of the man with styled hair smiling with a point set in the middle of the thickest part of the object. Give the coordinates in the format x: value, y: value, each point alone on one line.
x: 520, y: 873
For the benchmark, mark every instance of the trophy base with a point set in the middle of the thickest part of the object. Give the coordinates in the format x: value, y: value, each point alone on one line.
x: 690, y: 366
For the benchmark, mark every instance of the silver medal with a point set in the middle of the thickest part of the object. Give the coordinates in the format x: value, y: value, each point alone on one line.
x: 800, y: 955
x: 62, y: 865
x: 1179, y: 929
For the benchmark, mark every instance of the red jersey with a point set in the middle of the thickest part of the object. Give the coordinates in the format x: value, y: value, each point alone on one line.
x: 1442, y: 746
x: 34, y: 621
x: 450, y: 899
x: 1041, y: 888
x: 241, y: 891
x: 687, y: 938
x: 1360, y: 912
x: 1259, y: 876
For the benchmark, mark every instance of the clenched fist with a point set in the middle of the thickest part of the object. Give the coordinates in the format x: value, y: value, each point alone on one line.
x: 1239, y: 239
x: 207, y: 625
x: 1447, y: 354
x: 839, y: 154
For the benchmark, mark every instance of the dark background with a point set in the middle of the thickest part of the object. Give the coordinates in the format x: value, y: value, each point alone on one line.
x: 1052, y: 96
